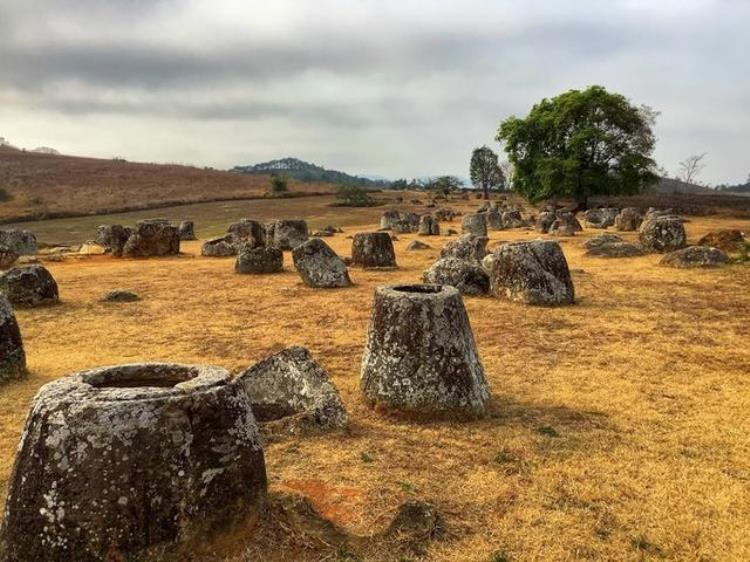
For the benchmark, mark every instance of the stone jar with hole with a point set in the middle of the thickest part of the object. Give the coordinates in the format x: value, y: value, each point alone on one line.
x: 118, y: 461
x: 420, y: 356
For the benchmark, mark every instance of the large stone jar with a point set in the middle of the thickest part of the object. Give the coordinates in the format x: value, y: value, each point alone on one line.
x: 420, y: 356
x: 116, y: 460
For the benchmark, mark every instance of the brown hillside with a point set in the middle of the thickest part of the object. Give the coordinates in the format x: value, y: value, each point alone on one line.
x: 47, y: 185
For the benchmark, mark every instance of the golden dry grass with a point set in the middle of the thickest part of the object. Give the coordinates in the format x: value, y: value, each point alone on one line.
x: 617, y: 430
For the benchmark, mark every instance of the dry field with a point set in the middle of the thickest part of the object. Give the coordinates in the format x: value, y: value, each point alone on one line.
x: 44, y: 185
x: 618, y: 427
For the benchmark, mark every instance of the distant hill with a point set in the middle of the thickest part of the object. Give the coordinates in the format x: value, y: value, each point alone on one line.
x: 669, y: 185
x: 307, y: 172
x: 43, y: 185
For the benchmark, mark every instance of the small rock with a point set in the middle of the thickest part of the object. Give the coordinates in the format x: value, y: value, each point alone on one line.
x: 220, y: 247
x: 614, y: 250
x: 695, y: 256
x: 120, y: 295
x: 417, y: 245
x: 92, y: 249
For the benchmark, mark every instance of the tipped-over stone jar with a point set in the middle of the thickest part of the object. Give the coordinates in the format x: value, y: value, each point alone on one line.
x: 116, y: 460
x: 420, y: 356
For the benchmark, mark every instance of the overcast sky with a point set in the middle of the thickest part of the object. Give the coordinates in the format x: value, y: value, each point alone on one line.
x: 397, y: 88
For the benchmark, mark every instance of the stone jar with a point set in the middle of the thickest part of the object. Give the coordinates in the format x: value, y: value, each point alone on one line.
x: 373, y: 249
x: 116, y: 460
x: 12, y: 355
x: 420, y: 357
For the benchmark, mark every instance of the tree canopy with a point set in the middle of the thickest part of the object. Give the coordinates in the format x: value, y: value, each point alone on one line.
x: 579, y: 144
x: 484, y: 170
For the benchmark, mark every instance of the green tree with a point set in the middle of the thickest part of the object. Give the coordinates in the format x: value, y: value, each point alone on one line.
x: 579, y: 144
x: 446, y: 184
x: 279, y: 184
x: 399, y: 184
x: 352, y: 195
x: 484, y: 170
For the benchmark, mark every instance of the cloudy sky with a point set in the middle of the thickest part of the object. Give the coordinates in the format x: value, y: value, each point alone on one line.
x: 398, y: 88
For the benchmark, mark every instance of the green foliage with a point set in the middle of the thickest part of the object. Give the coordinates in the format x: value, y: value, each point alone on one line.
x: 744, y: 253
x: 446, y: 184
x: 366, y: 458
x: 399, y: 184
x: 579, y: 144
x: 499, y: 556
x: 279, y: 184
x: 352, y: 195
x: 484, y: 170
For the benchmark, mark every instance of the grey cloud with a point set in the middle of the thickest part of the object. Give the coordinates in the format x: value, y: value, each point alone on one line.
x: 384, y: 73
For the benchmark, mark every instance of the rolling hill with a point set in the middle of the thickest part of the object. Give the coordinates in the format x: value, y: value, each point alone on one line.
x: 306, y: 172
x: 42, y: 185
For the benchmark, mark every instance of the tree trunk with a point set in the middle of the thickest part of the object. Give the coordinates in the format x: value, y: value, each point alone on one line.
x: 486, y: 189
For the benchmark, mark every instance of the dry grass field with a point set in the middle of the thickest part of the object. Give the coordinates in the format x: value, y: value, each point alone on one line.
x: 45, y: 185
x: 618, y: 427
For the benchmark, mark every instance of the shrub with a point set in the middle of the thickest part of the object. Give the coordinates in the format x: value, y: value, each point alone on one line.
x: 354, y: 196
x: 4, y: 195
x: 279, y: 184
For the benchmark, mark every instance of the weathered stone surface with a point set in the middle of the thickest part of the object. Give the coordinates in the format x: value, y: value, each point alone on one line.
x: 565, y: 224
x: 695, y: 256
x: 614, y: 250
x: 420, y: 356
x: 534, y: 272
x: 186, y: 230
x: 22, y: 242
x: 116, y: 460
x: 662, y: 234
x: 291, y: 393
x: 429, y: 226
x: 7, y: 257
x: 544, y: 221
x: 286, y: 234
x: 407, y: 224
x: 113, y: 237
x: 319, y: 266
x: 727, y: 240
x: 29, y: 285
x: 445, y: 214
x: 494, y: 219
x: 152, y: 237
x: 468, y: 277
x: 629, y: 219
x: 220, y: 247
x: 247, y: 233
x: 600, y: 218
x: 259, y: 260
x: 91, y: 248
x: 467, y: 247
x: 474, y: 223
x: 373, y: 249
x: 12, y: 355
x: 389, y: 219
x: 120, y: 295
x: 513, y: 219
x: 601, y: 239
x: 417, y: 245
x: 484, y: 207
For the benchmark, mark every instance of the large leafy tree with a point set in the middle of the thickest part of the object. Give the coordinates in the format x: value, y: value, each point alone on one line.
x: 579, y: 144
x: 484, y: 170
